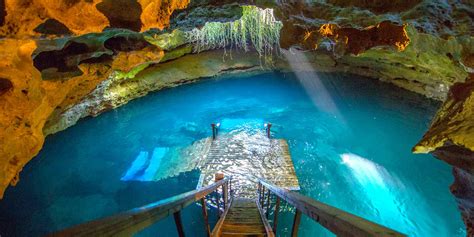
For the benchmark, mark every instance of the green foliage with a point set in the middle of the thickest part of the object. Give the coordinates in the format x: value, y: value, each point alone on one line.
x: 257, y: 28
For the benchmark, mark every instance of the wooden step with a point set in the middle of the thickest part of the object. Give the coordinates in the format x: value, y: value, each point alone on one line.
x: 242, y: 219
x: 224, y: 234
x: 243, y: 228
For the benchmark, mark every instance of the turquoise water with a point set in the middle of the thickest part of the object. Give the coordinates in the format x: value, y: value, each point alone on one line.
x: 350, y: 139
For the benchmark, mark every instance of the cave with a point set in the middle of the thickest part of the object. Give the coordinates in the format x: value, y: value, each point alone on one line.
x: 236, y: 118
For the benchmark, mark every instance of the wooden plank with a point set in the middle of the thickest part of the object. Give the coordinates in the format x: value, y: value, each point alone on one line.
x: 336, y: 220
x: 132, y: 221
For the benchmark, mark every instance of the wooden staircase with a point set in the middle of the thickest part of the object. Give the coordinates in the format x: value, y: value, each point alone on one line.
x: 243, y: 218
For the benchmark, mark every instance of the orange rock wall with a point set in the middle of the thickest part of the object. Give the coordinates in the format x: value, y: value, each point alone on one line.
x: 79, y: 16
x: 27, y: 101
x: 25, y: 108
x: 357, y: 41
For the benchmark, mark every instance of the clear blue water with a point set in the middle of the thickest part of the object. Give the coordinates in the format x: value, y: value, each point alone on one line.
x: 350, y: 139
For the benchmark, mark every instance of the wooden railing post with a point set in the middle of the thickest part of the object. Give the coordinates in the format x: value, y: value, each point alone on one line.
x: 213, y: 126
x: 225, y: 194
x: 206, y: 218
x: 179, y: 223
x: 217, y: 204
x: 268, y: 203
x: 275, y: 214
x: 217, y: 177
x: 259, y: 188
x: 296, y: 223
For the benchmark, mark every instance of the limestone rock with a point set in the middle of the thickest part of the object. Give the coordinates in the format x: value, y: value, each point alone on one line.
x: 463, y: 190
x: 451, y: 138
x: 60, y: 58
x: 116, y: 91
x: 167, y: 41
x: 402, y: 42
x: 454, y: 123
x: 5, y: 85
x: 122, y: 13
x: 20, y: 18
x: 52, y: 27
x: 378, y: 6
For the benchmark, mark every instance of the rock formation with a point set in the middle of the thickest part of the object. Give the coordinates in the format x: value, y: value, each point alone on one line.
x: 67, y: 59
x: 451, y: 139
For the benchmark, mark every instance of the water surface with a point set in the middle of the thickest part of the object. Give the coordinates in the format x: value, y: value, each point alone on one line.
x: 350, y: 139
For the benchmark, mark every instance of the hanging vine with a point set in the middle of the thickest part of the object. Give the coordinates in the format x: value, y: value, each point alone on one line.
x: 257, y: 28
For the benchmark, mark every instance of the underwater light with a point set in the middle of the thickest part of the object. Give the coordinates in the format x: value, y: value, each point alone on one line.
x: 378, y: 189
x: 145, y: 167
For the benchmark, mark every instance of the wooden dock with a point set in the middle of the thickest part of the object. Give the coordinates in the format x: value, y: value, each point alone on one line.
x: 246, y: 158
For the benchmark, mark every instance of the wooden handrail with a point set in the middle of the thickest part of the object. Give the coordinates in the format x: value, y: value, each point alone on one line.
x: 132, y: 221
x: 220, y: 222
x: 336, y: 220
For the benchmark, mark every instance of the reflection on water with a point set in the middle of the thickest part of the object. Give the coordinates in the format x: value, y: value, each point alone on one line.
x: 361, y: 163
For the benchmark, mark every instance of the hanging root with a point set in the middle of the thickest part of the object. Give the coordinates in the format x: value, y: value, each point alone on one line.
x: 257, y: 28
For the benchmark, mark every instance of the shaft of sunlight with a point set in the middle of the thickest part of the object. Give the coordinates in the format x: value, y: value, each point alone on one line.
x: 309, y: 79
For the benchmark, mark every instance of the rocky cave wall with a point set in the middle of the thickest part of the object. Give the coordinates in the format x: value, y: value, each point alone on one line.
x: 63, y: 60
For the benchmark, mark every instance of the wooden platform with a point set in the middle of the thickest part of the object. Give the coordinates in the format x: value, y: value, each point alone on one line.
x: 246, y: 158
